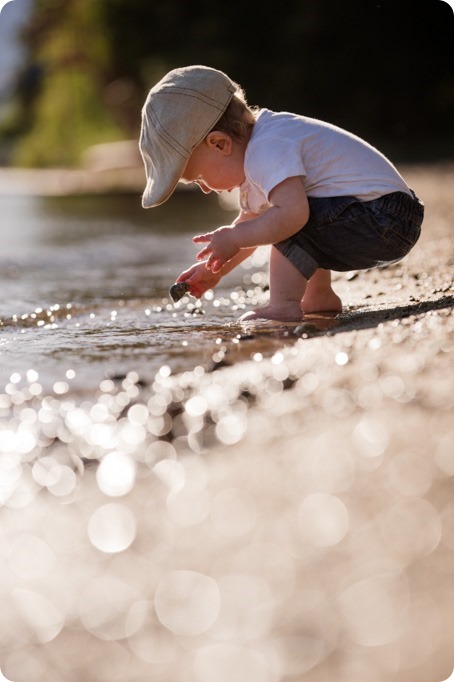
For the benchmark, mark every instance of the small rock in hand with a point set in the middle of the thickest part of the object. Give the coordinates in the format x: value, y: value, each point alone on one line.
x: 178, y: 290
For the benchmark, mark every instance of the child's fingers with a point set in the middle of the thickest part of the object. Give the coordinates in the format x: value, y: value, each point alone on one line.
x: 203, y: 253
x: 216, y: 265
x: 195, y: 291
x: 201, y: 238
x: 184, y: 277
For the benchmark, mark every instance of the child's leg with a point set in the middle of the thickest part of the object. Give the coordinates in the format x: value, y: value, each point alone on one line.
x: 319, y: 296
x: 287, y: 287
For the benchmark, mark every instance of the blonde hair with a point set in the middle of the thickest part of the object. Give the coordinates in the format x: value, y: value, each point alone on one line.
x: 239, y: 118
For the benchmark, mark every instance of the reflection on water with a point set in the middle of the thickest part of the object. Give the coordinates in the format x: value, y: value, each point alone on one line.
x: 289, y: 518
x: 85, y: 282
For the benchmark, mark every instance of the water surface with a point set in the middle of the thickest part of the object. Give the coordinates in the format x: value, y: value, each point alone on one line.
x: 85, y: 280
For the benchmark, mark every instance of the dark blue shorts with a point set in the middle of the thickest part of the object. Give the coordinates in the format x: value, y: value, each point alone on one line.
x: 343, y: 233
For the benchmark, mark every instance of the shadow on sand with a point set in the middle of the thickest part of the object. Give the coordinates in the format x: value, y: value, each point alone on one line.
x: 266, y: 336
x: 369, y: 318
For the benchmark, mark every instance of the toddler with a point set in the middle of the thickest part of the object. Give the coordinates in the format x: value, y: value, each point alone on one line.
x: 321, y: 197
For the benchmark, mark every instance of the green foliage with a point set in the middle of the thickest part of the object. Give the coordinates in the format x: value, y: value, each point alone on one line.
x: 69, y: 113
x: 382, y: 68
x: 69, y: 117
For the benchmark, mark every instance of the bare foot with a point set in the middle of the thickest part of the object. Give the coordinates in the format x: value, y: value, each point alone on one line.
x: 323, y: 302
x: 289, y: 313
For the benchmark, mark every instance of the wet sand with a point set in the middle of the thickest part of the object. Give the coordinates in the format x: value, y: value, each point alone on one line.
x: 283, y: 512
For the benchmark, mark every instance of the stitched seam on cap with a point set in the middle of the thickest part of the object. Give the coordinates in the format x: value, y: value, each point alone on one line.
x: 221, y: 112
x: 167, y: 137
x: 189, y: 92
x: 162, y: 132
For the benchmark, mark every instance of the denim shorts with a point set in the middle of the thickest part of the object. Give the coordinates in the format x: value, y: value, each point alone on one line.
x: 343, y: 233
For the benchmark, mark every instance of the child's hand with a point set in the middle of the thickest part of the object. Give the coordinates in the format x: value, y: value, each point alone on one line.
x: 221, y: 247
x: 200, y: 279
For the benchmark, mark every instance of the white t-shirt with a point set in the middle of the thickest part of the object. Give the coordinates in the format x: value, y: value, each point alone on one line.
x: 331, y: 161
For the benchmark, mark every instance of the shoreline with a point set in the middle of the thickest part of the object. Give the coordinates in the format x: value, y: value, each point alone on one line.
x: 100, y: 175
x: 68, y: 182
x: 301, y: 491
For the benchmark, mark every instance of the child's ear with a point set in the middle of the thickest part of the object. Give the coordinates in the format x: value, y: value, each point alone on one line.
x: 219, y: 141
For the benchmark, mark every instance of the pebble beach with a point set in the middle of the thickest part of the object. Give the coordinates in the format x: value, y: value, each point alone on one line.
x: 281, y: 512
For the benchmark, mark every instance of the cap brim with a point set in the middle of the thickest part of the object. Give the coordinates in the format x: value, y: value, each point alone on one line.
x: 162, y: 178
x: 164, y: 166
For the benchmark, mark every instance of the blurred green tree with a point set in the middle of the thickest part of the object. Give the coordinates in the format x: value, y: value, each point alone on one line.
x: 67, y: 112
x: 382, y: 68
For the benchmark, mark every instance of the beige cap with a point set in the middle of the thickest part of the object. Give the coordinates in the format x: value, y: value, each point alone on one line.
x: 178, y: 113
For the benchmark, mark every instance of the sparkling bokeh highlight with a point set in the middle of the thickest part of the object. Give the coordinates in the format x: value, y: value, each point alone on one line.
x: 165, y: 530
x: 253, y: 504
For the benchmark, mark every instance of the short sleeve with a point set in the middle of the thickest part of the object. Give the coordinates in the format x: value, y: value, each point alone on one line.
x: 273, y: 161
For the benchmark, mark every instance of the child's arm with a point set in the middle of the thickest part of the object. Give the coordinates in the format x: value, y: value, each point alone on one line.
x: 200, y: 278
x: 288, y: 213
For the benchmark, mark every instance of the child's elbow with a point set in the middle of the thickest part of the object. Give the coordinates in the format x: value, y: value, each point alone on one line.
x: 304, y: 214
x: 300, y: 214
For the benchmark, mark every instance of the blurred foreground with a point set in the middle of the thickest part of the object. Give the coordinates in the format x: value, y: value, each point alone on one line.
x: 284, y: 512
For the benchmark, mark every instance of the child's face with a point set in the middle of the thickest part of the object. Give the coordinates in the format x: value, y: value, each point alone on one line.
x: 216, y: 164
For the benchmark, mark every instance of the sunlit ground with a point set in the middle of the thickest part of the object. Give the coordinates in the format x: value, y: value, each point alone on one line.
x: 281, y: 512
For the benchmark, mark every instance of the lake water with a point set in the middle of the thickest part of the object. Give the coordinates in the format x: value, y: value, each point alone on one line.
x: 181, y: 528
x: 84, y: 284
